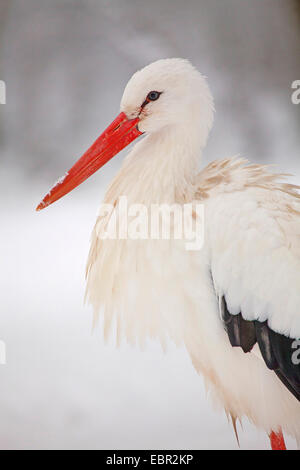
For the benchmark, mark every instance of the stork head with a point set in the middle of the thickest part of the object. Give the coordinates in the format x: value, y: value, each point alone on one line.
x: 169, y: 93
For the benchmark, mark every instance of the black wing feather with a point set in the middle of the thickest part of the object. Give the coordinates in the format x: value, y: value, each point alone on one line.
x: 276, y: 349
x: 240, y: 332
x: 263, y: 336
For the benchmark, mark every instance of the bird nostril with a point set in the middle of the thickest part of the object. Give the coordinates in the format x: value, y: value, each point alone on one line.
x: 117, y: 127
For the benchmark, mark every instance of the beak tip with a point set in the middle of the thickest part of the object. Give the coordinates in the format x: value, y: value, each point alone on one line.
x: 41, y: 206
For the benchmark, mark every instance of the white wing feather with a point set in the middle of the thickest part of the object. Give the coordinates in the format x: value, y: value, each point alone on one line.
x: 253, y: 230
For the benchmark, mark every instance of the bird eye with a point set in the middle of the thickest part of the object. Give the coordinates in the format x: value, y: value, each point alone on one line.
x: 153, y: 95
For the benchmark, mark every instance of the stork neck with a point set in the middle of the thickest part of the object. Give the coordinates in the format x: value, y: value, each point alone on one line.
x: 162, y: 167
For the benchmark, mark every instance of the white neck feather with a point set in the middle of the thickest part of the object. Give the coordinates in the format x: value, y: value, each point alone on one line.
x: 160, y: 168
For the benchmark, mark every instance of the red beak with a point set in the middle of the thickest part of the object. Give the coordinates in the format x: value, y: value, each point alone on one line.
x: 118, y: 135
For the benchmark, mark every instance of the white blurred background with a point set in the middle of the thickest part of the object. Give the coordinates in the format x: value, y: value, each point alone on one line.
x: 65, y: 64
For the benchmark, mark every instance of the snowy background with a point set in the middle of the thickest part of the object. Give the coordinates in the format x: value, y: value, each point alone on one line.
x: 65, y: 64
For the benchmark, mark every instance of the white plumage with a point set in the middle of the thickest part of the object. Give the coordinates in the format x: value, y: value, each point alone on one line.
x: 251, y: 254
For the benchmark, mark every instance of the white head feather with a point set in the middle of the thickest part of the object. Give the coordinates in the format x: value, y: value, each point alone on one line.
x: 185, y: 100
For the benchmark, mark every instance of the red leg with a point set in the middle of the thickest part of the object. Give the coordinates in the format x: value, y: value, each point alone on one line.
x: 277, y: 440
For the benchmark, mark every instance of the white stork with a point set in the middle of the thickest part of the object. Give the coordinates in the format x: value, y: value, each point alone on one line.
x: 234, y: 304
